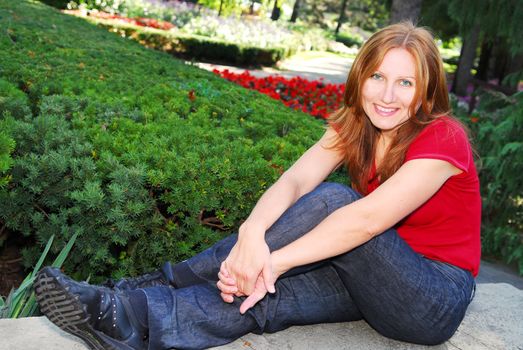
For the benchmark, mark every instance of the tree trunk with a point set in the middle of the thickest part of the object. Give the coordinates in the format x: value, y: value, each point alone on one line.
x: 342, y: 17
x: 275, y: 15
x: 500, y: 54
x: 403, y: 10
x: 484, y: 61
x: 295, y: 11
x: 466, y: 61
x: 221, y: 8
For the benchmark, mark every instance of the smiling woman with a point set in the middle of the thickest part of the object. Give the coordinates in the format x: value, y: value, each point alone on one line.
x: 400, y: 249
x: 388, y: 94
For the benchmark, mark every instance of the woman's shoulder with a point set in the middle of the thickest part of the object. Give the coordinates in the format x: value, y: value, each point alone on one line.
x: 444, y: 129
x: 444, y: 138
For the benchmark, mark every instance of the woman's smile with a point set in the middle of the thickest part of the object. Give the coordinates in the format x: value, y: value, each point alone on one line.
x: 386, y: 112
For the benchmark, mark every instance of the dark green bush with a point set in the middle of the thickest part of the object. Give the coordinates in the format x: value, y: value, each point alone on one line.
x: 147, y: 158
x: 6, y: 147
x: 349, y: 40
x: 497, y: 126
x: 60, y: 4
x: 196, y: 46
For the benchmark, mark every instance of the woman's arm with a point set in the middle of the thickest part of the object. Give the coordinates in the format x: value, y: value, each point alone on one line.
x: 250, y: 256
x: 352, y: 225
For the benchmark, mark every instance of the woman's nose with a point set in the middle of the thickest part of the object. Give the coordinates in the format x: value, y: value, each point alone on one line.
x: 388, y: 93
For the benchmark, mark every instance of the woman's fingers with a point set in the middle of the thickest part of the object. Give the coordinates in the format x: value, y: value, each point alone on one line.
x: 225, y: 288
x: 268, y: 278
x: 226, y: 280
x: 228, y: 298
x: 251, y: 301
x: 246, y: 260
x: 223, y: 269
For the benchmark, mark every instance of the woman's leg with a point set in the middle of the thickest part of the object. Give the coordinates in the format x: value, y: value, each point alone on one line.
x: 188, y: 318
x: 299, y: 219
x: 296, y: 221
x: 195, y: 317
x: 403, y: 295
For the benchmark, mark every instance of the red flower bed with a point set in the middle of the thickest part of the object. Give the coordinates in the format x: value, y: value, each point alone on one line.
x: 139, y: 21
x: 312, y: 97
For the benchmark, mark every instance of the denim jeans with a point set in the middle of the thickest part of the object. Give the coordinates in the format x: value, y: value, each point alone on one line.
x: 401, y: 294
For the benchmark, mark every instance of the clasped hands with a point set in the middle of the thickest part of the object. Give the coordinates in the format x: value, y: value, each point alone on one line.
x: 249, y: 270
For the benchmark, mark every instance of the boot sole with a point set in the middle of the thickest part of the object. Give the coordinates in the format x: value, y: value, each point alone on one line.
x: 67, y: 312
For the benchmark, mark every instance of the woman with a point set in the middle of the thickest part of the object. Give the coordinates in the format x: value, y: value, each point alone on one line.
x: 399, y: 249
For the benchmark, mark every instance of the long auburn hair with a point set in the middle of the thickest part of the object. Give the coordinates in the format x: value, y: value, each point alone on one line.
x: 358, y: 137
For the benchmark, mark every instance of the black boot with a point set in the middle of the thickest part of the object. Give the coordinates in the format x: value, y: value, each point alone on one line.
x: 103, y: 318
x: 162, y: 277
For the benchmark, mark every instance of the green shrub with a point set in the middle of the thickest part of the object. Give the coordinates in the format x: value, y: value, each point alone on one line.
x: 349, y: 39
x: 497, y: 126
x: 13, y: 102
x: 61, y: 4
x: 6, y: 147
x: 196, y: 46
x: 142, y: 156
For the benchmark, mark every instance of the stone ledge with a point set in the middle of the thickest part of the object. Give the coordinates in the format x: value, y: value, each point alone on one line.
x: 494, y: 321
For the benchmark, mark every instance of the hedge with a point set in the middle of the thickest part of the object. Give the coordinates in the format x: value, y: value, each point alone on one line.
x: 195, y: 46
x: 147, y: 158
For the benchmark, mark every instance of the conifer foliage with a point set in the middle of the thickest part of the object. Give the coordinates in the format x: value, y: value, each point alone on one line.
x: 146, y: 158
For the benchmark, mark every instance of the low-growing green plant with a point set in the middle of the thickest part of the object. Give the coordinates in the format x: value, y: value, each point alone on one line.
x: 61, y: 4
x: 349, y: 39
x: 6, y: 147
x: 21, y: 302
x: 145, y: 158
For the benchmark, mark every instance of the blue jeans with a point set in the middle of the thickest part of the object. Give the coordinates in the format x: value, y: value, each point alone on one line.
x: 401, y: 294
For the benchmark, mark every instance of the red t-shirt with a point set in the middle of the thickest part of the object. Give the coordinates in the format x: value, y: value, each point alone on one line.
x: 447, y: 226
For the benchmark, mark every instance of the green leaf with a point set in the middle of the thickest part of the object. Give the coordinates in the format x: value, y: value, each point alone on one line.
x: 58, y: 262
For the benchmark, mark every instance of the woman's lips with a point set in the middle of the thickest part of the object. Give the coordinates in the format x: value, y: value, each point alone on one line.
x: 384, y: 111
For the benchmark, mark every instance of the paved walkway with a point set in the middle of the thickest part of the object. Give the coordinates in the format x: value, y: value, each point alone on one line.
x: 331, y: 68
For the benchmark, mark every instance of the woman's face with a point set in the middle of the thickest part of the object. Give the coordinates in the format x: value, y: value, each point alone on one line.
x: 388, y: 93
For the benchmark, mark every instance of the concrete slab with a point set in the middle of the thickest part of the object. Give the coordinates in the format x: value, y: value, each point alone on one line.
x: 494, y: 321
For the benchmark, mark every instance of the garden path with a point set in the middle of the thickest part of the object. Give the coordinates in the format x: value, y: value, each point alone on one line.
x: 330, y: 68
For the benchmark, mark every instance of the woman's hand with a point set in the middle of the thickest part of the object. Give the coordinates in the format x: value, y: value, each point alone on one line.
x: 249, y: 258
x: 260, y: 289
x: 228, y: 288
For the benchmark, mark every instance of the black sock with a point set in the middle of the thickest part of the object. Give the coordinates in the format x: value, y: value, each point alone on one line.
x: 138, y: 301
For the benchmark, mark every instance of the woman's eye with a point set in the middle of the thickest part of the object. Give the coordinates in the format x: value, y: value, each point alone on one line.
x: 376, y: 76
x: 405, y: 82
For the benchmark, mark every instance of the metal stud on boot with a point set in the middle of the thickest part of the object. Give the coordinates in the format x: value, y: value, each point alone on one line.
x: 103, y: 318
x: 162, y: 277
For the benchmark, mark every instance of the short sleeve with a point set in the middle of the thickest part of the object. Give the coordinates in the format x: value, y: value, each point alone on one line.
x: 443, y: 139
